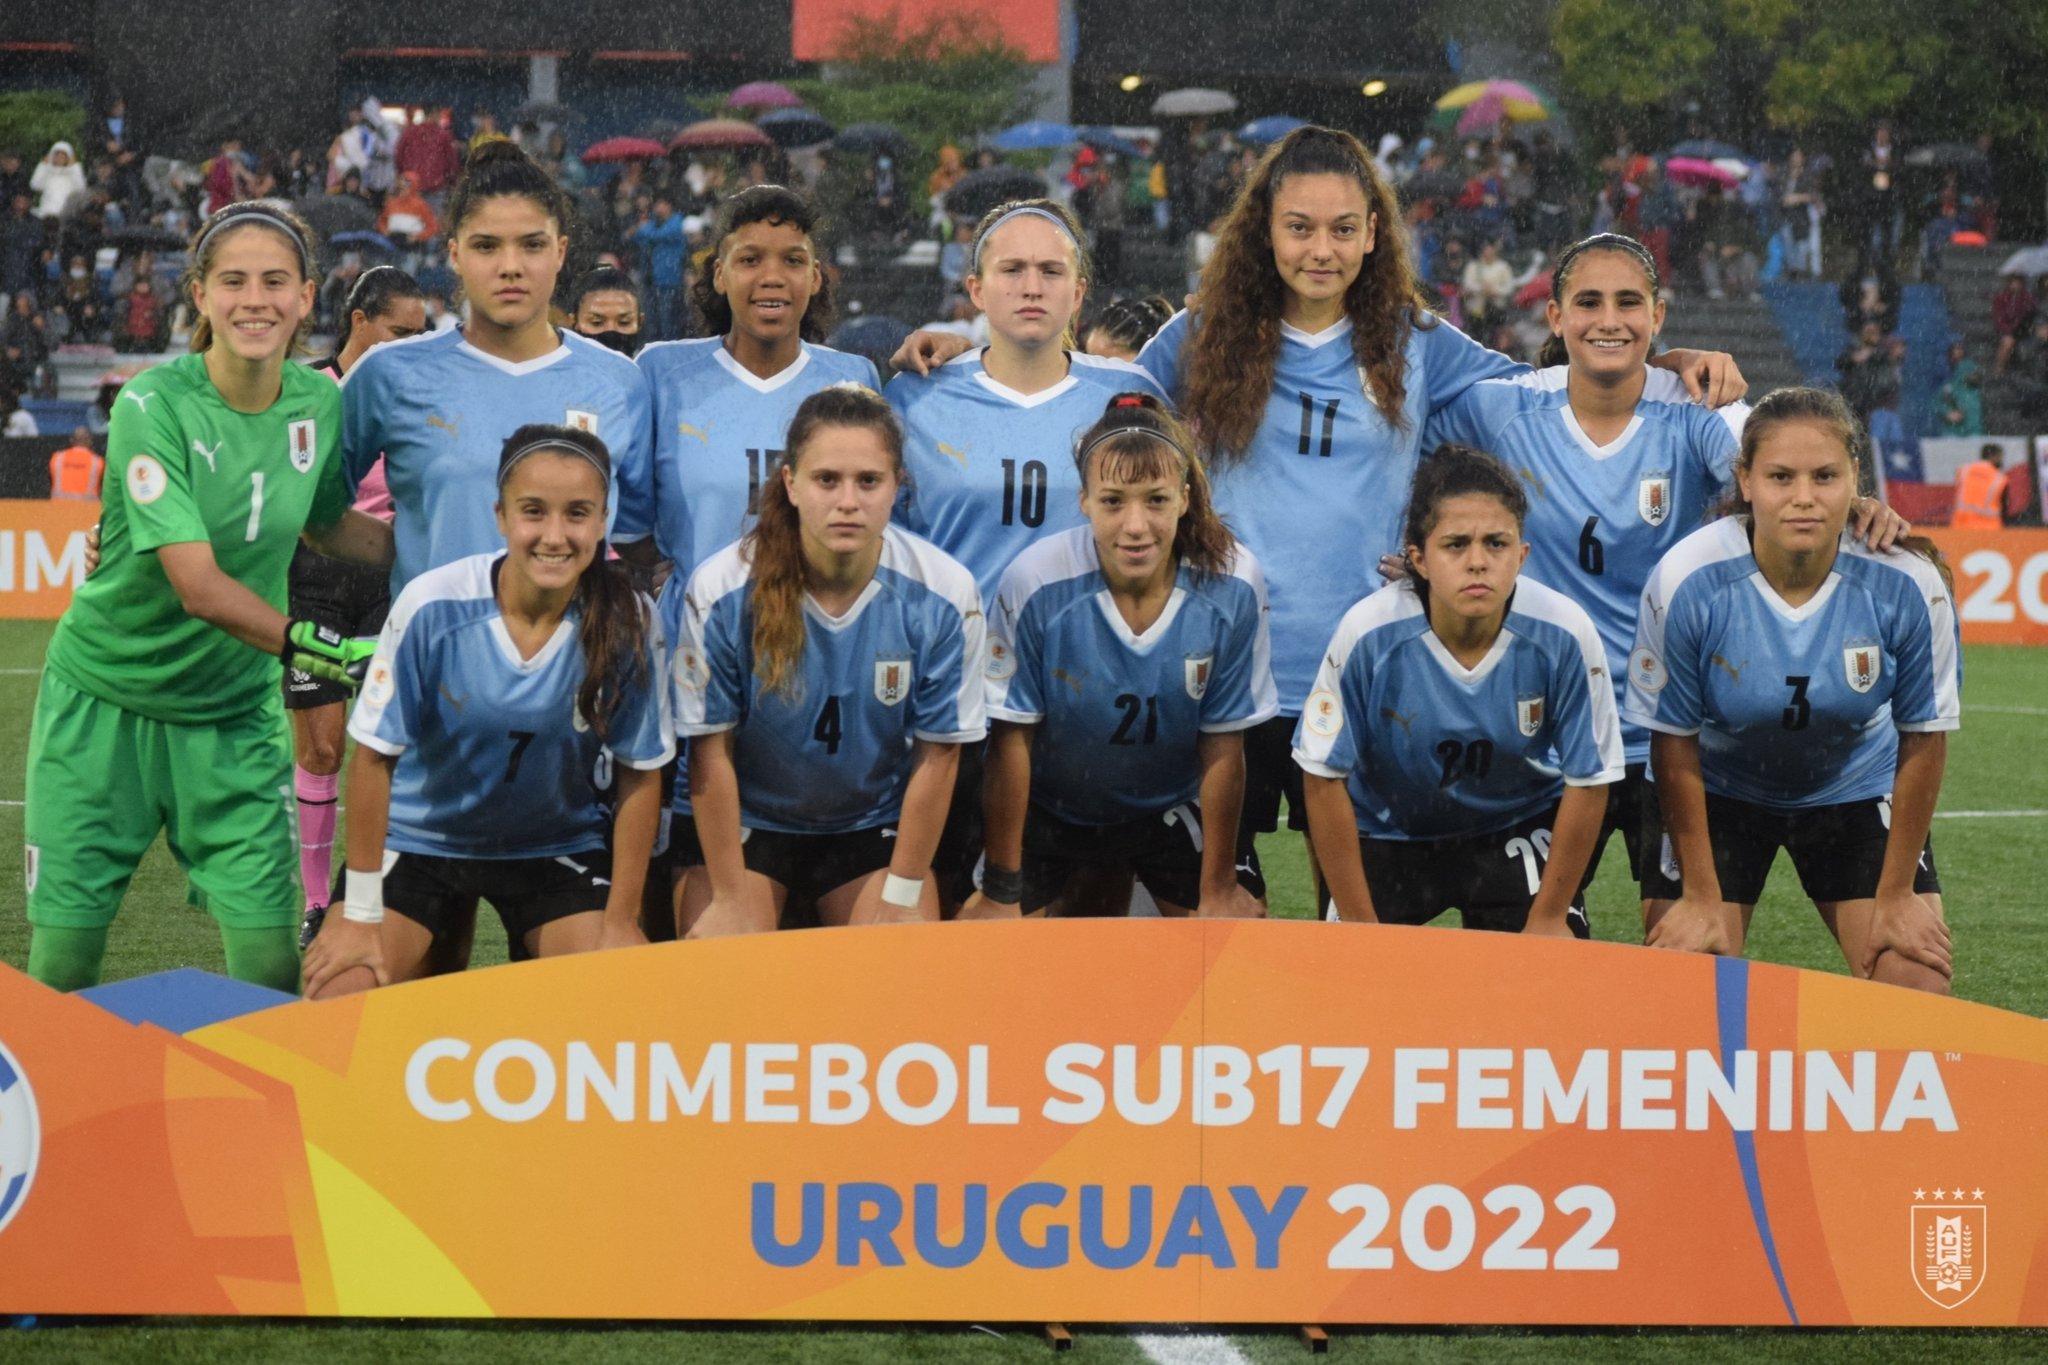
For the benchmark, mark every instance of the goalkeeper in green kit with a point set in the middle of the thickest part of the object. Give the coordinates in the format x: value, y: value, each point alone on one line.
x: 160, y: 702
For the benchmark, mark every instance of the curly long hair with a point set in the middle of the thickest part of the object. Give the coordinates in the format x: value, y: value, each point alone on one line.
x: 1228, y: 365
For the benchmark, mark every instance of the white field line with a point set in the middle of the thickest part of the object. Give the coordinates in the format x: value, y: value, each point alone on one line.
x: 1189, y: 1350
x: 1990, y: 814
x: 2010, y: 710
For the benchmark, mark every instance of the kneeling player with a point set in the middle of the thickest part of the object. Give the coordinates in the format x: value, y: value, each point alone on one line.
x: 828, y: 668
x: 1141, y: 770
x: 1800, y: 688
x: 504, y: 689
x: 1445, y: 710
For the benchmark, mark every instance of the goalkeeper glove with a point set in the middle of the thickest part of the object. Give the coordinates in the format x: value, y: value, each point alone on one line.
x: 326, y: 653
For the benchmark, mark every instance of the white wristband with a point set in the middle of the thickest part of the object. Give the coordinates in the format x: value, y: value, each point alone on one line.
x: 902, y: 891
x: 363, y: 897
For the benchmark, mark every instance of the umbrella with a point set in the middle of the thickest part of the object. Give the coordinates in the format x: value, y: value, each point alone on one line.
x: 328, y: 214
x: 1440, y: 184
x: 1690, y: 170
x: 795, y: 127
x: 1271, y: 128
x: 542, y: 111
x: 1708, y: 149
x: 1535, y: 291
x: 979, y: 191
x: 1193, y: 102
x: 719, y: 134
x: 1734, y: 165
x: 1523, y: 103
x: 623, y: 149
x: 874, y: 335
x: 1037, y: 135
x: 2031, y: 260
x: 1488, y: 111
x: 872, y: 138
x: 362, y: 237
x: 1948, y: 156
x: 1103, y: 138
x: 763, y: 95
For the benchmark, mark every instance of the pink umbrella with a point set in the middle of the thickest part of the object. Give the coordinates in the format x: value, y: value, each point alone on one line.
x: 716, y: 134
x: 763, y: 95
x: 1690, y: 170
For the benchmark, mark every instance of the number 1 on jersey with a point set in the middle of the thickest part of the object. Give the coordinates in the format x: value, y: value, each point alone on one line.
x: 255, y: 505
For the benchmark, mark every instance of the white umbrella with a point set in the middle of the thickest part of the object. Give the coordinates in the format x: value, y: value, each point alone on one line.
x: 1193, y: 101
x: 2031, y: 260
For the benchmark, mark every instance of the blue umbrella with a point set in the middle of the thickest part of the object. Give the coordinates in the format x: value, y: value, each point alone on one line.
x: 1708, y: 149
x: 1271, y: 128
x: 1035, y: 136
x: 363, y: 238
x: 1104, y: 139
x: 796, y: 127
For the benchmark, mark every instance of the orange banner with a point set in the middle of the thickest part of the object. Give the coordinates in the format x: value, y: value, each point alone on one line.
x: 42, y: 555
x: 1086, y: 1121
x: 2001, y: 583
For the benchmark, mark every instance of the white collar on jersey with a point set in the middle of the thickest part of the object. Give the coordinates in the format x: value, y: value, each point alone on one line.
x: 1315, y: 341
x: 516, y: 367
x: 755, y: 381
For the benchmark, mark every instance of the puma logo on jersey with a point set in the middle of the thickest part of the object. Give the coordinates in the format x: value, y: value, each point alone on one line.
x: 1534, y: 480
x: 1061, y: 675
x: 141, y: 400
x: 703, y: 434
x: 950, y: 453
x: 453, y: 700
x: 1734, y: 670
x: 452, y: 428
x: 199, y: 449
x: 1389, y: 713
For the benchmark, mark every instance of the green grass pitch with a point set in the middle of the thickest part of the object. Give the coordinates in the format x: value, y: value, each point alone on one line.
x: 1989, y: 844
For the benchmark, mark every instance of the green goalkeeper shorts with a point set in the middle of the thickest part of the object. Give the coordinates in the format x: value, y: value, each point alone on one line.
x: 103, y: 780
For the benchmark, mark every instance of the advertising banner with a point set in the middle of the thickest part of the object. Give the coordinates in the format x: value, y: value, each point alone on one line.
x: 1072, y: 1121
x: 2001, y: 583
x: 42, y: 555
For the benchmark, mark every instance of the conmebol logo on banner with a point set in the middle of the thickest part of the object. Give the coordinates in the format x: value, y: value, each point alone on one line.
x: 20, y: 1137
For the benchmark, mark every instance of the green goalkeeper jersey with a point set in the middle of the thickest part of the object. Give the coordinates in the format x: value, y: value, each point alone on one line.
x: 183, y: 466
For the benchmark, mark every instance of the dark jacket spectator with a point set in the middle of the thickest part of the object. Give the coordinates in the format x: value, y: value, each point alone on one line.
x: 21, y: 246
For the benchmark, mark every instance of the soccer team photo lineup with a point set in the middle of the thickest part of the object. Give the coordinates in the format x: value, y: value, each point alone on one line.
x: 566, y: 539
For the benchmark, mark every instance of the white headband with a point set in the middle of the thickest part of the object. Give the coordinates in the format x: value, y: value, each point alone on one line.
x: 254, y: 212
x: 974, y: 266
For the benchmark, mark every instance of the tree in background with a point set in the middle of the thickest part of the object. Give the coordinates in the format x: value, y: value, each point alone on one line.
x: 30, y: 120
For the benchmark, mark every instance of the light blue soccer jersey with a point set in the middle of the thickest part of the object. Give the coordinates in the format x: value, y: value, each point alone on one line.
x: 1119, y: 714
x: 1431, y: 749
x: 904, y: 663
x: 991, y: 469
x: 1794, y: 706
x: 439, y: 410
x: 718, y: 433
x: 1321, y: 494
x: 1601, y: 516
x: 494, y: 760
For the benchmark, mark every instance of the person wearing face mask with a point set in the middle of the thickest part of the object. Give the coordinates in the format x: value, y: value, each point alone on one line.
x: 607, y: 309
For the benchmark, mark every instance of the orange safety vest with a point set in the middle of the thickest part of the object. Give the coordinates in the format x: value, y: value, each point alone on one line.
x: 75, y: 474
x: 1980, y: 497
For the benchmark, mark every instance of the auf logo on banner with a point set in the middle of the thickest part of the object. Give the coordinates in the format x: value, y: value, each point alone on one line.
x: 1950, y: 1247
x: 20, y: 1137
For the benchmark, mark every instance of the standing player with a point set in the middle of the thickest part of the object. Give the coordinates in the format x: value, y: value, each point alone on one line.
x: 1164, y: 613
x: 162, y: 681
x: 505, y: 689
x: 988, y: 437
x: 1619, y: 464
x: 1460, y: 736
x: 828, y: 668
x: 723, y: 403
x: 438, y: 407
x: 1801, y: 688
x: 383, y: 305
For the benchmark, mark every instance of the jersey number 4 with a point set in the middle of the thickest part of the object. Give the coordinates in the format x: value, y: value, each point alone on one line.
x: 826, y: 731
